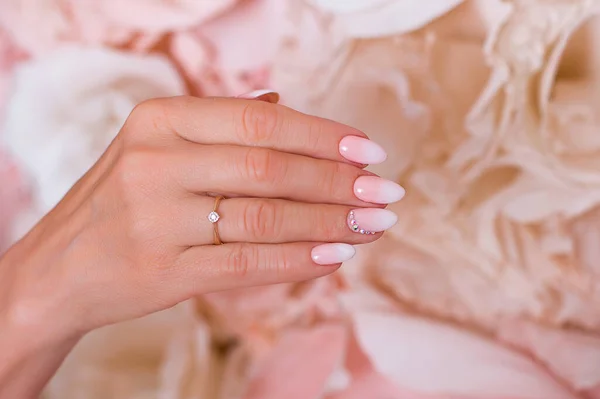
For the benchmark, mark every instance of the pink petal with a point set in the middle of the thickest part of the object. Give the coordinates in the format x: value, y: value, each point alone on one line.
x: 13, y: 197
x: 249, y: 36
x: 190, y: 53
x: 376, y: 386
x: 593, y: 393
x: 361, y: 19
x: 368, y: 382
x: 163, y: 15
x: 574, y: 356
x: 428, y: 356
x: 300, y: 364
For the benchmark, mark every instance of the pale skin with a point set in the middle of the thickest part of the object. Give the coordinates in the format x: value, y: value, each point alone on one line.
x: 132, y: 238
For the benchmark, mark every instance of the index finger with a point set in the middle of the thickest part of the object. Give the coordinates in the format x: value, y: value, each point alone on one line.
x: 262, y: 124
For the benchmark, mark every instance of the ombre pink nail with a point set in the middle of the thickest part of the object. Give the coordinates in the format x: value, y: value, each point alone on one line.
x: 330, y: 254
x: 377, y: 190
x: 269, y: 96
x: 371, y: 220
x: 361, y: 150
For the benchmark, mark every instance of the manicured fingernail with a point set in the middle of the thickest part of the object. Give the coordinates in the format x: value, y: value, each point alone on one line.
x: 377, y: 190
x: 361, y: 150
x: 371, y: 220
x: 269, y: 96
x: 330, y: 254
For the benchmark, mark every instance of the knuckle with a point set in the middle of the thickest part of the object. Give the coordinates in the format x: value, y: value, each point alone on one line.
x: 147, y: 116
x: 263, y: 166
x: 246, y: 259
x: 316, y: 133
x: 242, y: 259
x: 146, y: 107
x: 261, y: 219
x: 258, y: 122
x: 330, y: 231
x: 280, y: 262
x: 331, y: 179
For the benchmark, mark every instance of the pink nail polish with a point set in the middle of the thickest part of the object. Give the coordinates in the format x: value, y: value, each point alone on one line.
x: 269, y: 96
x: 361, y: 150
x: 371, y: 220
x: 377, y: 190
x: 330, y: 254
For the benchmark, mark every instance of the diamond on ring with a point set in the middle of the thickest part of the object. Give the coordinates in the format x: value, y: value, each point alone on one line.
x: 213, y: 217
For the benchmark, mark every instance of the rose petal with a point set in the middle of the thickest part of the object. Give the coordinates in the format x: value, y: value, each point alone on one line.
x: 300, y: 364
x: 433, y: 358
x: 363, y: 19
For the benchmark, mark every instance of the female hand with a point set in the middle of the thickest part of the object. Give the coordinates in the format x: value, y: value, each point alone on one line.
x: 132, y: 236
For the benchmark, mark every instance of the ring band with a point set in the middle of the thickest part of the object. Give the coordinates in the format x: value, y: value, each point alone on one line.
x: 214, y: 217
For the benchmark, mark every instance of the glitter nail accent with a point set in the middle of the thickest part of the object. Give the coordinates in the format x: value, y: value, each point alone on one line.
x: 353, y: 224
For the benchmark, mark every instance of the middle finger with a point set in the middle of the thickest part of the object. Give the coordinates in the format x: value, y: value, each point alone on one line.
x: 261, y: 172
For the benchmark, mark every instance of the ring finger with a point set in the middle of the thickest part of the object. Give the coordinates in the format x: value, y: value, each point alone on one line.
x: 271, y: 221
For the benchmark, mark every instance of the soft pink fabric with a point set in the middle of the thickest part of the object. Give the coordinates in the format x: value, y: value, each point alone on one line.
x: 13, y: 196
x: 10, y: 55
x: 12, y: 190
x: 244, y: 67
x: 39, y: 26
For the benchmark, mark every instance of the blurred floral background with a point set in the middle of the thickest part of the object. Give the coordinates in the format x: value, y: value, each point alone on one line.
x: 488, y: 288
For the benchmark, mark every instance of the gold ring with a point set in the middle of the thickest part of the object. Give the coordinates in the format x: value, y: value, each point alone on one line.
x: 214, y: 217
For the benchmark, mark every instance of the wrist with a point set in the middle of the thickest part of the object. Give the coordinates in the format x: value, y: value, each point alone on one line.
x: 31, y: 344
x: 29, y: 363
x: 36, y: 298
